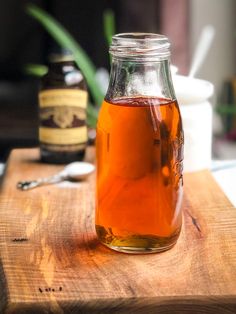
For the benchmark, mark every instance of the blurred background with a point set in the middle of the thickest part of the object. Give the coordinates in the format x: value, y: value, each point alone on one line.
x: 23, y: 40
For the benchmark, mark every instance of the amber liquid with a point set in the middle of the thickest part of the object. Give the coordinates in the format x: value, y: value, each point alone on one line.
x: 139, y: 174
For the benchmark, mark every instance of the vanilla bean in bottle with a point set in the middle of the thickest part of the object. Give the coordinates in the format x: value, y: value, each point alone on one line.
x: 62, y: 110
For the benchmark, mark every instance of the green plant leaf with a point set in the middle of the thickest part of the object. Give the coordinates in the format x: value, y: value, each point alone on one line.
x: 92, y: 114
x: 35, y: 69
x: 108, y: 25
x: 64, y: 38
x: 226, y: 109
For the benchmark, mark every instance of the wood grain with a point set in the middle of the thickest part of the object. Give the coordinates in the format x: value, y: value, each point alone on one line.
x: 51, y: 261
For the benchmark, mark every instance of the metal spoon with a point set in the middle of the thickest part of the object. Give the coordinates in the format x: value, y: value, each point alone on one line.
x: 75, y: 171
x: 203, y: 46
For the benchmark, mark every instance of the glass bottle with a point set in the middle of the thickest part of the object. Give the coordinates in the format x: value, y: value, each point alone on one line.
x: 62, y: 105
x: 139, y: 148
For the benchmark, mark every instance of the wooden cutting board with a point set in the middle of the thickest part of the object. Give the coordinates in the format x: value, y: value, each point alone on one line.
x: 52, y: 262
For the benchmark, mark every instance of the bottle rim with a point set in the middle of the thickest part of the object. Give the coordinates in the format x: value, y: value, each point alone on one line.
x: 140, y: 45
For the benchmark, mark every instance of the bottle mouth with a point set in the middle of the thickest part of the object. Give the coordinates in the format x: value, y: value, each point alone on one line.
x: 140, y: 45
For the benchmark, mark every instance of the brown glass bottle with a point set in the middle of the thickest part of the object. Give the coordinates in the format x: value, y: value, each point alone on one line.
x: 62, y: 111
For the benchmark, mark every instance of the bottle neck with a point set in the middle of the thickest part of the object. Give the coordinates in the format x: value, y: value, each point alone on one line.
x: 132, y: 78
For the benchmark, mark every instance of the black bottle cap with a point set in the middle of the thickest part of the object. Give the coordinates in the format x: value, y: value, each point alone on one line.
x: 60, y: 54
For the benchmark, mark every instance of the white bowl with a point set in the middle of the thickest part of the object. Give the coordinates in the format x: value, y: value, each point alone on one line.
x: 191, y: 90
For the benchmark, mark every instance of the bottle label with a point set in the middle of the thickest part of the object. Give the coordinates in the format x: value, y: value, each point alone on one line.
x: 63, y: 116
x: 63, y: 136
x: 63, y: 97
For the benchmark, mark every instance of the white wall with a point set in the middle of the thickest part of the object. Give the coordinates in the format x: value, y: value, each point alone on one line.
x: 221, y: 60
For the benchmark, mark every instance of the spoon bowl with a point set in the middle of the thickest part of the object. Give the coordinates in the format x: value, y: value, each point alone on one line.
x: 78, y: 170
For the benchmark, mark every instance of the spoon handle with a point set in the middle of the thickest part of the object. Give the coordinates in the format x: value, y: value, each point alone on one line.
x: 27, y: 185
x: 204, y: 44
